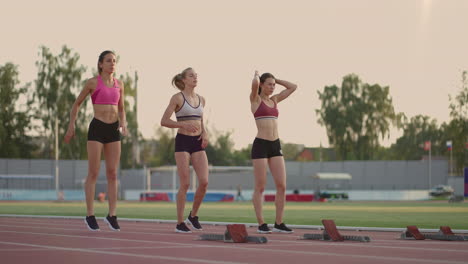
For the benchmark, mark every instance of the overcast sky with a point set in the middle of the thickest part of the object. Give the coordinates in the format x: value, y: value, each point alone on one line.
x: 417, y: 48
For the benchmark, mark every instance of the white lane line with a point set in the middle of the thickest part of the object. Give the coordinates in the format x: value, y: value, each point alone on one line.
x: 106, y: 248
x: 121, y: 253
x: 137, y: 226
x: 296, y: 252
x: 302, y: 242
x: 367, y: 245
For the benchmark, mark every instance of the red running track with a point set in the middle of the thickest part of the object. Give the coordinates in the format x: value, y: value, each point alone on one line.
x: 42, y: 240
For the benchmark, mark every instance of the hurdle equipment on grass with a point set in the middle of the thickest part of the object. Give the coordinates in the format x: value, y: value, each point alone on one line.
x: 235, y: 233
x: 412, y: 232
x: 330, y: 233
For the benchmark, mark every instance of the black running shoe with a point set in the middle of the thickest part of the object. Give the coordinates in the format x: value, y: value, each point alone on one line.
x: 263, y: 229
x: 91, y: 223
x: 112, y: 222
x: 182, y: 228
x: 282, y: 228
x: 193, y: 221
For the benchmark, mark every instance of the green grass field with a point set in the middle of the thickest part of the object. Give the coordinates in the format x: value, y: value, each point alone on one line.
x: 363, y: 214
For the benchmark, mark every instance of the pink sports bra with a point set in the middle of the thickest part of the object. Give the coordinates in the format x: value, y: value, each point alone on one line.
x: 104, y: 94
x: 265, y: 112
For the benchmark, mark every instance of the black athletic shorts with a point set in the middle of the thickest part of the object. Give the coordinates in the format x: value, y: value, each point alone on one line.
x: 264, y: 149
x: 103, y: 132
x: 190, y: 144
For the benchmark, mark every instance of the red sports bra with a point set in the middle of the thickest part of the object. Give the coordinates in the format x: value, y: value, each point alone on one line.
x: 266, y: 112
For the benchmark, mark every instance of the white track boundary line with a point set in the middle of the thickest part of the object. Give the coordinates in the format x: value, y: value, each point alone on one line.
x: 99, y: 248
x: 250, y: 249
x: 393, y: 241
x: 317, y: 227
x: 138, y: 228
x: 293, y: 242
x: 120, y: 253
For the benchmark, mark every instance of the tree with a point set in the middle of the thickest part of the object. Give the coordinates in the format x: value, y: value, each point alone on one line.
x: 14, y: 140
x: 242, y: 157
x: 290, y: 150
x: 457, y: 129
x: 415, y: 132
x: 355, y: 116
x: 159, y: 152
x: 58, y: 83
x: 220, y: 149
x: 130, y: 144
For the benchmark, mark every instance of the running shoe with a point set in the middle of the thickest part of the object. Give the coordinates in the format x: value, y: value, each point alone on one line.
x: 193, y: 220
x: 182, y: 228
x: 263, y: 229
x: 91, y: 223
x: 112, y: 222
x: 282, y: 228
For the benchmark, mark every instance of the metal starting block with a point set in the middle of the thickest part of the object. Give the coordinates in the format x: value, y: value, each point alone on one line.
x: 446, y: 230
x: 445, y: 233
x: 236, y: 233
x: 330, y: 233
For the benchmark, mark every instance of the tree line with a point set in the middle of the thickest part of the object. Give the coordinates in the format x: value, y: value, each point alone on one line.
x: 356, y: 115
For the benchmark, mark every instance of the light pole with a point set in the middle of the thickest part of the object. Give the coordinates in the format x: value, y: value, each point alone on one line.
x: 57, y: 191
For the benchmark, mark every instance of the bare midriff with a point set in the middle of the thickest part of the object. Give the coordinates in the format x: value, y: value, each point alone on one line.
x: 267, y: 129
x: 106, y: 113
x: 196, y: 123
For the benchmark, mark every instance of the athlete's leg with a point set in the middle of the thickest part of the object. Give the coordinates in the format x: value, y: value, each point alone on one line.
x: 183, y: 169
x: 94, y: 161
x: 112, y: 156
x: 260, y: 173
x: 278, y: 172
x: 200, y: 165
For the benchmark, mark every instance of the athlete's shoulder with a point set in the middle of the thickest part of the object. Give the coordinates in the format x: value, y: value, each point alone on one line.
x: 91, y: 83
x: 92, y: 80
x: 202, y: 98
x: 119, y: 82
x: 177, y: 97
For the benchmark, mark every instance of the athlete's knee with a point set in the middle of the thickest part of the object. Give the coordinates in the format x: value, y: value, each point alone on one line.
x: 111, y: 175
x: 259, y: 189
x: 184, y: 187
x: 92, y: 176
x: 281, y: 188
x: 203, y: 184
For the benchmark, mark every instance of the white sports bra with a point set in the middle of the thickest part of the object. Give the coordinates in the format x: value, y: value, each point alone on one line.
x: 188, y: 112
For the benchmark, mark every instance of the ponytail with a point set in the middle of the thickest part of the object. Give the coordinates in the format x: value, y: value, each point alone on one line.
x: 177, y: 81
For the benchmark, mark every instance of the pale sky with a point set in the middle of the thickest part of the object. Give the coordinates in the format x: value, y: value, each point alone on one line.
x: 416, y: 47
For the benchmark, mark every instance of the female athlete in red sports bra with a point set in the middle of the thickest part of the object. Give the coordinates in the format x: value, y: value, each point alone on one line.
x: 107, y: 95
x: 266, y: 149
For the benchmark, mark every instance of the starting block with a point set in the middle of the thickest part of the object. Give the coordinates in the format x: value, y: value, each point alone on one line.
x: 331, y: 233
x: 446, y: 230
x: 236, y: 233
x: 445, y: 233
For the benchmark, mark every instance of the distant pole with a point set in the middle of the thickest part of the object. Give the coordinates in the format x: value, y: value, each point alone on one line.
x: 148, y: 178
x: 320, y: 156
x: 430, y: 167
x: 56, y: 159
x: 137, y: 158
x: 451, y: 161
x: 450, y: 146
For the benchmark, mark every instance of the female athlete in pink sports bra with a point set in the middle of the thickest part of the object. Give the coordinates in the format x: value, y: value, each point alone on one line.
x: 266, y: 149
x: 107, y: 95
